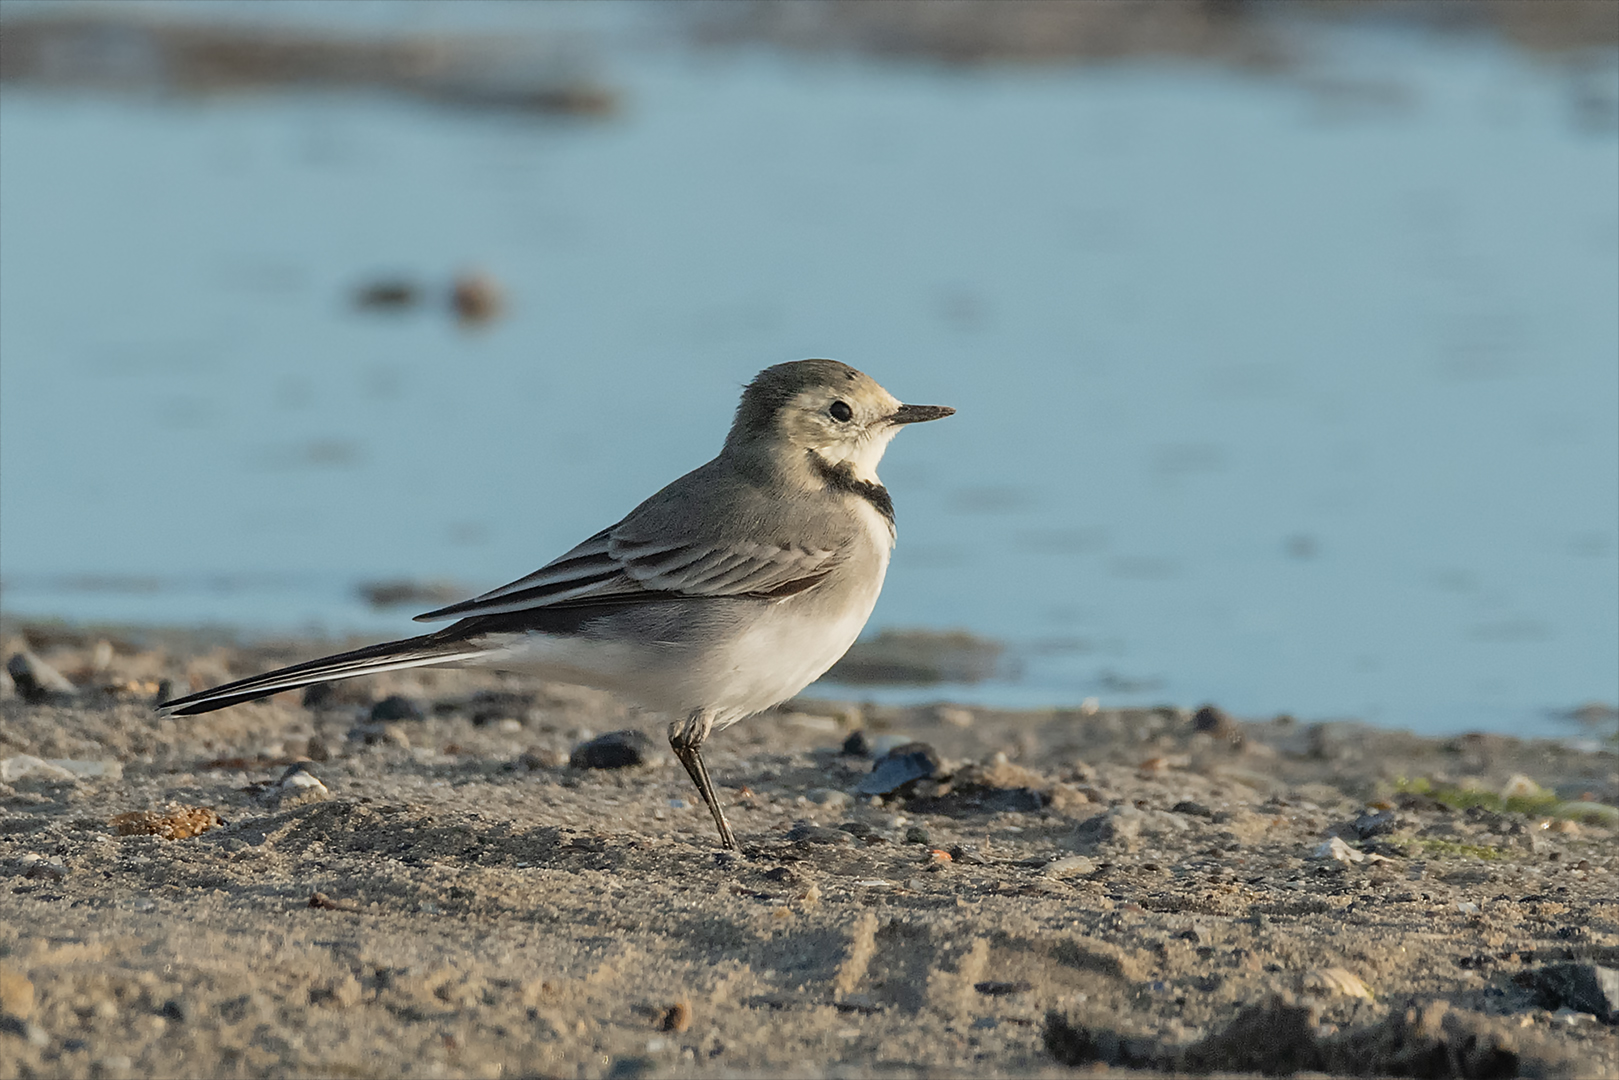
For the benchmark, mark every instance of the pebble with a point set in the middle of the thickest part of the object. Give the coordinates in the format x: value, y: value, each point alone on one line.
x: 46, y: 870
x: 396, y: 707
x: 1378, y: 824
x: 1195, y: 809
x: 967, y: 855
x: 1212, y: 720
x: 1337, y: 851
x: 297, y: 786
x: 614, y: 750
x: 856, y: 745
x: 1071, y: 864
x: 902, y: 765
x: 831, y: 798
x: 804, y: 833
x: 36, y: 680
x: 916, y: 834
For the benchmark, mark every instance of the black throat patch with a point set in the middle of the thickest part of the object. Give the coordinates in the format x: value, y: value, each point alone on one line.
x: 840, y: 477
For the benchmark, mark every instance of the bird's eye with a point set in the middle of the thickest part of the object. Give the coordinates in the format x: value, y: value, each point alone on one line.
x: 841, y: 412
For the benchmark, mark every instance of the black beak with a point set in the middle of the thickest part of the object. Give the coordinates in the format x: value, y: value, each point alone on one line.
x: 915, y: 414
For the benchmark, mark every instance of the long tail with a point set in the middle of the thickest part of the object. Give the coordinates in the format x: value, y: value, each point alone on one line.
x: 389, y: 656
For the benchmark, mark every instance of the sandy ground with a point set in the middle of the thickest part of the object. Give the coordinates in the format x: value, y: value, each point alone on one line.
x: 1108, y: 890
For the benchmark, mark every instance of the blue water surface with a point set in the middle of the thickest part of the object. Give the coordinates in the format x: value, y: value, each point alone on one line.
x: 1290, y: 391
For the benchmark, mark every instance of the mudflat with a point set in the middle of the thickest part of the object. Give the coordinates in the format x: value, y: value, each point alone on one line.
x: 416, y: 874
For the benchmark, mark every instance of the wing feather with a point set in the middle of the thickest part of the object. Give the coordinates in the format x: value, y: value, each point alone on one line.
x: 612, y: 567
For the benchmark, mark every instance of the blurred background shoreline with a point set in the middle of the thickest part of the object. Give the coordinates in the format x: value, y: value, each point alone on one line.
x: 1285, y: 335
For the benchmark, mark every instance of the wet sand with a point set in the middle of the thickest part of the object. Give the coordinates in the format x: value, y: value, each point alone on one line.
x: 443, y: 894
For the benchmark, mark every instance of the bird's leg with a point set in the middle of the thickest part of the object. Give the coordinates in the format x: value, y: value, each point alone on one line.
x: 686, y: 739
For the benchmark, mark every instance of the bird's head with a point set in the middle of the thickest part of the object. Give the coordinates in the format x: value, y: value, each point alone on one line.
x: 826, y: 408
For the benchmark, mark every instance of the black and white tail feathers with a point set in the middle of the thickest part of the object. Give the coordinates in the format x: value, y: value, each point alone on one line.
x: 413, y: 652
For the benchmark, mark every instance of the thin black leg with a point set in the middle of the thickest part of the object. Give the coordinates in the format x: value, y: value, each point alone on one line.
x: 692, y: 758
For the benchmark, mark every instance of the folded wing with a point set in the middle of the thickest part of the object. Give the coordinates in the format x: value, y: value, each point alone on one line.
x: 615, y: 566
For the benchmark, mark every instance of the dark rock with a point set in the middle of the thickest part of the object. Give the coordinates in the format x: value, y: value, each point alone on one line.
x: 805, y: 833
x: 1195, y: 809
x: 614, y: 750
x: 916, y: 834
x: 1379, y: 824
x: 994, y: 988
x: 1078, y: 1044
x: 782, y: 875
x: 1586, y: 988
x: 1212, y: 720
x: 35, y: 679
x: 321, y: 695
x: 861, y: 831
x: 856, y: 745
x: 176, y: 1010
x: 967, y: 855
x: 900, y: 767
x: 396, y: 707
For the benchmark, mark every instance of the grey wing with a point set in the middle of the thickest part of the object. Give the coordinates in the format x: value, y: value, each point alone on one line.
x: 615, y: 566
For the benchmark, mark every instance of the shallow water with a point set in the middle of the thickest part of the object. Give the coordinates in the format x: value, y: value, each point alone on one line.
x: 1290, y: 392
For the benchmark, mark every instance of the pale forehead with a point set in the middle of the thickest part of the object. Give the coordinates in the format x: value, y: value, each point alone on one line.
x: 854, y: 387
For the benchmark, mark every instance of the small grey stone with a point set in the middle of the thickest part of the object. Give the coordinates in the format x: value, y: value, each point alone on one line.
x: 916, y: 834
x: 614, y: 750
x: 831, y: 798
x: 176, y: 1010
x: 1196, y: 809
x: 805, y: 833
x: 396, y: 707
x: 35, y: 679
x: 904, y: 764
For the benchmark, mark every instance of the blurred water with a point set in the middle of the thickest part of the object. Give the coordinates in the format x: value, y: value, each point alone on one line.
x: 1294, y: 393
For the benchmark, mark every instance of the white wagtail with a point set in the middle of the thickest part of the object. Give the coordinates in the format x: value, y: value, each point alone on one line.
x: 724, y: 594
